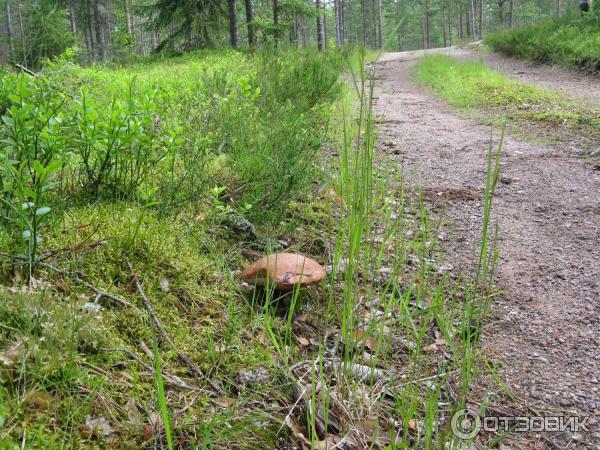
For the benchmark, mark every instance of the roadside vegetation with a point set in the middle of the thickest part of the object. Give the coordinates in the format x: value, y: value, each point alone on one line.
x: 544, y: 113
x: 569, y: 41
x: 131, y: 198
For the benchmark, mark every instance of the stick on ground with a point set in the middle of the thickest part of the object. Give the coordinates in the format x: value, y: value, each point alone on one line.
x: 193, y: 367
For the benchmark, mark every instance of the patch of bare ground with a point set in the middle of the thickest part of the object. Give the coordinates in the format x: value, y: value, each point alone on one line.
x: 545, y: 331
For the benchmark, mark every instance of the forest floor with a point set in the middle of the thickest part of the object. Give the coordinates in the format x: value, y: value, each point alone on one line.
x: 544, y: 331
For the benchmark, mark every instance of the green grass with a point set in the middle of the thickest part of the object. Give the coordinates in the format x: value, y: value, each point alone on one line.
x: 570, y: 41
x: 472, y: 86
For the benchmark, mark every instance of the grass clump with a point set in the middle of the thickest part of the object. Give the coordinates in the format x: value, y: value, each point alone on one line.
x: 568, y: 41
x: 471, y: 85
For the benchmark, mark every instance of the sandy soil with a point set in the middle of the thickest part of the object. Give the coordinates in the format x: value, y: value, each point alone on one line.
x: 547, y: 327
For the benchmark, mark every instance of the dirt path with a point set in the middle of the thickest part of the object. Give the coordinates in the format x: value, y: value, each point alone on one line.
x: 548, y: 208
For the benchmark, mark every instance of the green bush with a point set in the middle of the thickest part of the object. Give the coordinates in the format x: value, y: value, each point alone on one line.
x: 31, y: 154
x: 567, y: 42
x: 120, y: 144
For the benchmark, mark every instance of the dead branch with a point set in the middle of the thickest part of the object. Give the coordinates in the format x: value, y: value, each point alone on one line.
x: 26, y: 70
x: 99, y: 292
x: 163, y: 332
x: 171, y: 379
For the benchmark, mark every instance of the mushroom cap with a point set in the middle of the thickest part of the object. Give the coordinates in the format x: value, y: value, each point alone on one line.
x: 285, y: 270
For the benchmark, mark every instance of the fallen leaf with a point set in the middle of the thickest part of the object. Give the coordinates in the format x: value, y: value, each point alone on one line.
x: 133, y: 415
x: 302, y: 341
x: 430, y: 348
x: 252, y: 377
x: 329, y: 443
x: 225, y: 402
x: 100, y: 428
x: 296, y: 430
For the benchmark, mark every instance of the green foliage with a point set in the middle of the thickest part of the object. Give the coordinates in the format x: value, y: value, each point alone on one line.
x: 30, y: 157
x: 189, y: 23
x: 120, y: 144
x: 566, y: 42
x: 161, y: 134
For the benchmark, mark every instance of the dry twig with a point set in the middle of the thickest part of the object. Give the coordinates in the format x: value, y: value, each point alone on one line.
x: 99, y: 292
x: 171, y: 379
x: 163, y: 332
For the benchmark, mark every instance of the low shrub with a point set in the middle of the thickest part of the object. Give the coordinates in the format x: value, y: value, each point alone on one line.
x: 570, y: 42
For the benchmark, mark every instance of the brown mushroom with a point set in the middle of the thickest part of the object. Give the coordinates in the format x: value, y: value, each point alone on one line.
x: 285, y: 270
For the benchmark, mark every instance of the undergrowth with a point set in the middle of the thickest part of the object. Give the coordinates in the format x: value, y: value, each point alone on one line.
x: 569, y: 41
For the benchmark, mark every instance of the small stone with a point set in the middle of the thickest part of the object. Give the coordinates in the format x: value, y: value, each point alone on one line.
x: 581, y: 394
x: 253, y: 377
x: 565, y: 402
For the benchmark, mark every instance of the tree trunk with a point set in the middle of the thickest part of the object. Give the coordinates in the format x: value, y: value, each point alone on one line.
x: 426, y: 31
x: 89, y: 35
x: 510, y: 13
x: 303, y: 33
x: 468, y: 21
x: 336, y: 6
x: 461, y: 32
x: 449, y: 29
x: 379, y: 22
x: 98, y: 23
x: 480, y: 20
x: 423, y: 26
x: 363, y: 8
x: 342, y: 4
x: 128, y: 22
x: 233, y: 34
x: 472, y: 14
x: 9, y: 30
x: 249, y: 24
x: 445, y: 35
x: 320, y: 30
x: 295, y: 32
x: 276, y: 22
x: 324, y: 24
x: 501, y: 12
x: 399, y: 28
x: 21, y: 31
x: 72, y: 22
x: 557, y: 8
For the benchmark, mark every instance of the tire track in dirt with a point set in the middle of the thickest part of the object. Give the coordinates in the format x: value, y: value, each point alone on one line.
x: 548, y: 208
